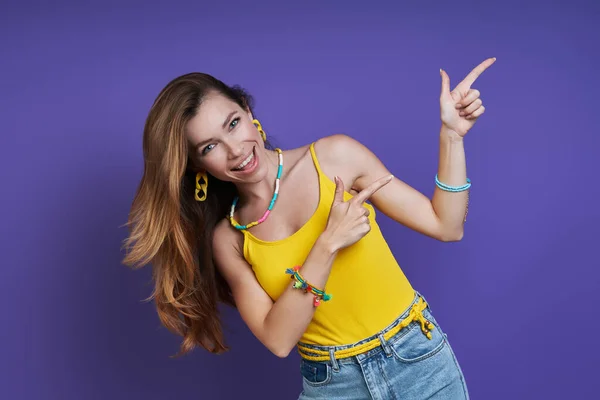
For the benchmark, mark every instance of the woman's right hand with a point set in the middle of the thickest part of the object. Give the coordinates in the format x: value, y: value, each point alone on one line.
x: 348, y: 220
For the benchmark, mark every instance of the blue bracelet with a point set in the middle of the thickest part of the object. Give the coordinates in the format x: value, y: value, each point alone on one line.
x: 452, y: 188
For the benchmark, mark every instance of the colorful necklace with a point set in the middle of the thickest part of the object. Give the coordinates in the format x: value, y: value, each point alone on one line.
x: 266, y: 214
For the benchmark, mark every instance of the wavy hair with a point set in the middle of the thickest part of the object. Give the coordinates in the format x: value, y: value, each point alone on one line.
x: 171, y: 230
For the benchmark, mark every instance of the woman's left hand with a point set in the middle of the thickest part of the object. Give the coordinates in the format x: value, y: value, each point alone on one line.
x: 461, y: 107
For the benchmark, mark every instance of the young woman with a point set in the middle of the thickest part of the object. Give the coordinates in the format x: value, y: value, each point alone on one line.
x: 224, y: 217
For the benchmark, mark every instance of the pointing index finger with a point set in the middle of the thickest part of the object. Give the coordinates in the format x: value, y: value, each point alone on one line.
x: 363, y: 195
x: 474, y: 74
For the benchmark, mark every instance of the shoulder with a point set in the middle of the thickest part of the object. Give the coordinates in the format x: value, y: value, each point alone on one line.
x: 342, y: 151
x: 335, y: 147
x: 351, y: 160
x: 338, y: 146
x: 226, y: 241
x: 332, y: 152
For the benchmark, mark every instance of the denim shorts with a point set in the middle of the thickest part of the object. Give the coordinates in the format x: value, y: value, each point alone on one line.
x: 406, y: 366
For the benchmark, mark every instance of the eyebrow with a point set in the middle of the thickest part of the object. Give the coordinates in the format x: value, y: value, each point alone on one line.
x: 231, y: 114
x: 228, y: 118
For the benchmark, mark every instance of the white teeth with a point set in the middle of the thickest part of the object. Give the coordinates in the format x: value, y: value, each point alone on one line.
x: 246, y: 161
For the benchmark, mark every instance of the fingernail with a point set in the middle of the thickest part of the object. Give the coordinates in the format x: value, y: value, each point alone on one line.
x: 458, y: 105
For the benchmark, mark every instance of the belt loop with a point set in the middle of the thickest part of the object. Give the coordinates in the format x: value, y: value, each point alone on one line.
x: 334, y: 363
x: 424, y: 300
x: 384, y: 344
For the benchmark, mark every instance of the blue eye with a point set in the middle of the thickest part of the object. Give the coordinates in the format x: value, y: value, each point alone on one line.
x: 234, y: 122
x: 207, y: 149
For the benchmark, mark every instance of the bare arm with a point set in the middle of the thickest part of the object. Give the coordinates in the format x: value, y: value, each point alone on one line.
x: 398, y: 200
x: 451, y: 207
x: 280, y: 324
x: 277, y: 325
x: 443, y: 216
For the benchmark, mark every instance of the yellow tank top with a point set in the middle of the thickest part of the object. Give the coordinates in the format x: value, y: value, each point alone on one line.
x: 369, y: 289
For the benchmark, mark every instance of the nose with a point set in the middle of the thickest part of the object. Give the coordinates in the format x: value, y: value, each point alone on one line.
x: 235, y: 149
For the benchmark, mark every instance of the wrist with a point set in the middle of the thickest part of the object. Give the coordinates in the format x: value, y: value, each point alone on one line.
x: 450, y: 135
x: 326, y: 243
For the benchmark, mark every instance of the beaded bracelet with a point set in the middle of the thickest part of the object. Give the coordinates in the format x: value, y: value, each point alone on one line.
x: 307, y: 287
x: 462, y: 188
x: 447, y: 188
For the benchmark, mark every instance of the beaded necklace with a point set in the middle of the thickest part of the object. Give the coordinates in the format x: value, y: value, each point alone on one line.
x: 266, y: 214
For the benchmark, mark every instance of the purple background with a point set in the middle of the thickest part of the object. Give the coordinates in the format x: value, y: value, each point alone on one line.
x: 517, y: 296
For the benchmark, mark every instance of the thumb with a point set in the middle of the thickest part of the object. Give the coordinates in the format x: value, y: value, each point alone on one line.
x: 445, y: 83
x: 339, y: 191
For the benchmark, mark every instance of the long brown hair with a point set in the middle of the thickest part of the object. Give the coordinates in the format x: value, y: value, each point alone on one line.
x: 171, y: 230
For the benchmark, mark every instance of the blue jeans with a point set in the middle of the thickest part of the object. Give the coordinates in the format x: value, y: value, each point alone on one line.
x: 406, y: 366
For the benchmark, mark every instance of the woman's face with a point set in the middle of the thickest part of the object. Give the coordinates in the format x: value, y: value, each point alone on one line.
x: 224, y: 141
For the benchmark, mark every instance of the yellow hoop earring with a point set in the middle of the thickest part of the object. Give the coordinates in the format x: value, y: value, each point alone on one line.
x: 260, y: 129
x: 201, y: 186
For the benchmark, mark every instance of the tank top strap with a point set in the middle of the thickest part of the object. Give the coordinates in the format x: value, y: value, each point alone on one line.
x: 326, y: 185
x: 313, y: 154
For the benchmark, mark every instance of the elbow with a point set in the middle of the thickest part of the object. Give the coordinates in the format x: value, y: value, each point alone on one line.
x: 453, y: 236
x: 281, y: 352
x: 276, y: 343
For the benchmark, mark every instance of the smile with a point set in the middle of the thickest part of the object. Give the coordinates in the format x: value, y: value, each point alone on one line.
x: 246, y: 161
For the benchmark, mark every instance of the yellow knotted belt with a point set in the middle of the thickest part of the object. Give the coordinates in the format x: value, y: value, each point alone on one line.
x: 415, y: 314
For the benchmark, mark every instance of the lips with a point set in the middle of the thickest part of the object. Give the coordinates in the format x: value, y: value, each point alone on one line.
x: 250, y: 159
x: 245, y: 161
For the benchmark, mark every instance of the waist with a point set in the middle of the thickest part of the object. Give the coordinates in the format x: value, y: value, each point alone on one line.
x: 414, y: 312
